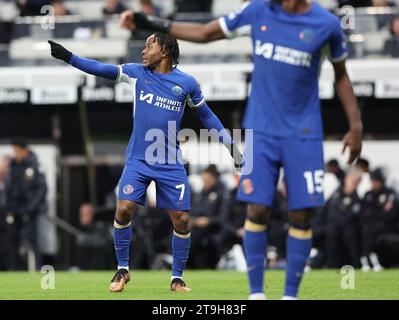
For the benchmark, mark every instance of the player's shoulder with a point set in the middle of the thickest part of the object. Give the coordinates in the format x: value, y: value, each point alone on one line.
x: 132, y: 66
x: 326, y: 15
x: 184, y: 77
x: 255, y: 5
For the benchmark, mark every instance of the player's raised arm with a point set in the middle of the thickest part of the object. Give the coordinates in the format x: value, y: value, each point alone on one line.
x: 195, y: 32
x: 228, y: 26
x: 91, y: 66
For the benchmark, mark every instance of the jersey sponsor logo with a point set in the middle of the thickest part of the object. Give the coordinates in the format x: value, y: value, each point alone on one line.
x: 283, y: 54
x: 128, y: 189
x: 149, y: 97
x: 161, y: 102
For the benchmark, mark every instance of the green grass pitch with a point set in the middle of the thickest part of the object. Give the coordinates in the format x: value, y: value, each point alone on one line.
x: 206, y: 285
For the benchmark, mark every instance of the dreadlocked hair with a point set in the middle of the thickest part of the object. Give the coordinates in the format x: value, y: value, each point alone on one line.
x: 170, y: 45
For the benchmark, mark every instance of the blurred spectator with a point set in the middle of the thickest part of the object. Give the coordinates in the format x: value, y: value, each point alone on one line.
x: 113, y: 7
x: 341, y: 219
x: 365, y: 184
x: 232, y: 216
x: 206, y: 214
x: 94, y: 243
x: 31, y: 7
x: 332, y: 166
x: 7, y: 226
x: 149, y: 8
x: 152, y: 235
x: 355, y: 3
x: 391, y: 46
x: 379, y: 216
x: 383, y: 3
x: 193, y: 6
x: 279, y: 224
x: 59, y: 8
x: 26, y: 191
x: 367, y: 3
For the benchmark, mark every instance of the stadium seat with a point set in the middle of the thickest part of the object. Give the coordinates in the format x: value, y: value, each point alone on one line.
x: 365, y: 23
x: 90, y: 48
x: 374, y: 41
x: 88, y: 10
x: 222, y: 7
x: 8, y: 11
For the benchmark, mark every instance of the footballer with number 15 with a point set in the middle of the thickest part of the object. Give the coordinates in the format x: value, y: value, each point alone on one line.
x: 288, y: 38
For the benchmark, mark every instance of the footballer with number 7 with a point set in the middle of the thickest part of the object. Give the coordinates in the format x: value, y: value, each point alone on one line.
x: 160, y: 92
x: 288, y: 38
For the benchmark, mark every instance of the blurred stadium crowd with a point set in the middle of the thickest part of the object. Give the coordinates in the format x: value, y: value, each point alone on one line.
x: 358, y: 226
x: 373, y: 25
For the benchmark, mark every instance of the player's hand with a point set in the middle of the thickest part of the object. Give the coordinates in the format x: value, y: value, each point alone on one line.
x: 59, y: 52
x: 239, y: 163
x: 239, y: 160
x: 138, y: 20
x: 353, y: 140
x: 126, y: 20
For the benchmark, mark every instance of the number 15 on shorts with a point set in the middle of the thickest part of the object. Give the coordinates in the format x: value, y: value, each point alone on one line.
x: 314, y: 181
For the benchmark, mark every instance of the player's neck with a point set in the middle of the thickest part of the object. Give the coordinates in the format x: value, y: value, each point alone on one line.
x: 296, y: 6
x: 163, y: 67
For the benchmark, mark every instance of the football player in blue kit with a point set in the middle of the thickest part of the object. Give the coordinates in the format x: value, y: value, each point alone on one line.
x: 289, y: 38
x: 160, y: 92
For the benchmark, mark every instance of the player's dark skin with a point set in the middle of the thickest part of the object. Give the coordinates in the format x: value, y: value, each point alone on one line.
x: 156, y: 59
x: 204, y: 33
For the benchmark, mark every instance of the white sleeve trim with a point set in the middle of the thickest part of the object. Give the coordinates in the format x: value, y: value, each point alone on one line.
x: 200, y: 103
x: 339, y: 59
x: 122, y: 77
x: 191, y: 103
x: 224, y: 28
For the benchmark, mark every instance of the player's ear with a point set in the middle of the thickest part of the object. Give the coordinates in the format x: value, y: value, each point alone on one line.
x: 164, y: 53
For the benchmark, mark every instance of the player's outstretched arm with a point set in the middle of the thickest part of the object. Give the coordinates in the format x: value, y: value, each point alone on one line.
x: 353, y: 138
x: 211, y: 121
x: 91, y: 66
x: 195, y: 32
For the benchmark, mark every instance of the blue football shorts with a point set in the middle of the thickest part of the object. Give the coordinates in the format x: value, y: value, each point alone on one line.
x: 303, y: 163
x: 172, y: 188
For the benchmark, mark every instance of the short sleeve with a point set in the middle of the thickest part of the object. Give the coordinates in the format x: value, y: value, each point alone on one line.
x: 337, y: 43
x: 128, y: 71
x: 239, y: 22
x: 195, y: 98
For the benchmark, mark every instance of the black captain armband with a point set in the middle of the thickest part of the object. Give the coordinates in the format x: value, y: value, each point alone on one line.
x: 151, y: 23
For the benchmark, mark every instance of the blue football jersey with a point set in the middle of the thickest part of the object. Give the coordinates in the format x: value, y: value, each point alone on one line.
x: 284, y: 100
x: 159, y: 103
